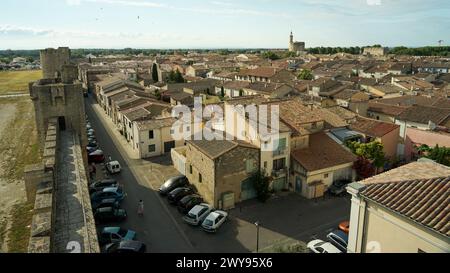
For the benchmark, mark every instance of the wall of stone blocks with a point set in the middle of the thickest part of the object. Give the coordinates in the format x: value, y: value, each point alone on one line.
x: 39, y: 183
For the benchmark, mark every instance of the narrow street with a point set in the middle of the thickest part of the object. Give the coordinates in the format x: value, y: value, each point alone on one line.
x: 156, y: 229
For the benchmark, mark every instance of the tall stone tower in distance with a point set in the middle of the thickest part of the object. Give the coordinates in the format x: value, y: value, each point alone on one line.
x: 59, y: 94
x: 295, y: 46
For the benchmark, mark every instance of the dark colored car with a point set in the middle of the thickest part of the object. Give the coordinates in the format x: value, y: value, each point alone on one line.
x: 96, y: 157
x: 339, y: 239
x: 338, y: 187
x: 126, y: 247
x: 188, y: 202
x: 100, y: 185
x: 92, y: 145
x: 109, y: 214
x: 104, y: 203
x: 178, y: 193
x: 173, y: 183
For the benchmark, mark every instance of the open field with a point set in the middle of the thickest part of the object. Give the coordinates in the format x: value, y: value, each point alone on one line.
x: 18, y: 147
x: 12, y: 82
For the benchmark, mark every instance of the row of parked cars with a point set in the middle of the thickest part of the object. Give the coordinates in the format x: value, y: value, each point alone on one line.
x: 106, y: 197
x: 191, y: 205
x: 337, y: 241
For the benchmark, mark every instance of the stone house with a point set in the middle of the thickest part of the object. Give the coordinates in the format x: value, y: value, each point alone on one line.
x: 220, y: 169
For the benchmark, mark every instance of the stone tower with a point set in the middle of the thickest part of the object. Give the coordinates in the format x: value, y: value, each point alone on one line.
x: 52, y: 61
x: 295, y: 46
x: 59, y: 94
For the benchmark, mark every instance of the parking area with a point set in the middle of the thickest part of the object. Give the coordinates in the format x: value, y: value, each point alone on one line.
x: 283, y: 218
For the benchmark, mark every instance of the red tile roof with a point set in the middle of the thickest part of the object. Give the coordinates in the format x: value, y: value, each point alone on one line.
x: 322, y: 153
x: 372, y: 127
x: 424, y: 201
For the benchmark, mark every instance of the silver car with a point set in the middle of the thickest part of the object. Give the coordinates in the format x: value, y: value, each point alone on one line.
x: 197, y: 214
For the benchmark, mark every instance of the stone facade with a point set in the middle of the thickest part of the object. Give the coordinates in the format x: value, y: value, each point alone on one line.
x: 374, y: 51
x: 58, y: 186
x: 295, y: 46
x: 222, y: 174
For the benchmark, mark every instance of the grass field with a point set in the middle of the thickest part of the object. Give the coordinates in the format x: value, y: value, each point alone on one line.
x: 19, y: 234
x: 17, y: 81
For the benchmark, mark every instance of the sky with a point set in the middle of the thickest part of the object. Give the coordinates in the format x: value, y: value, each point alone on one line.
x: 34, y: 24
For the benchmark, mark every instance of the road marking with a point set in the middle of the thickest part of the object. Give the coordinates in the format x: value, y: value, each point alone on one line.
x: 134, y: 173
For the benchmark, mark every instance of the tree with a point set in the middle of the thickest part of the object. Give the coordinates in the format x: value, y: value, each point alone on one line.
x: 270, y: 55
x: 363, y: 167
x: 440, y: 155
x: 372, y: 151
x: 178, y: 78
x: 261, y: 183
x: 305, y: 74
x: 155, y: 72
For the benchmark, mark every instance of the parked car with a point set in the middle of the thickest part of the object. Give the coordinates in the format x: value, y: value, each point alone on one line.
x: 101, y: 184
x: 345, y: 226
x: 93, y: 144
x: 104, y: 203
x: 109, y: 214
x: 91, y: 149
x: 110, y: 235
x: 319, y: 246
x: 338, y: 187
x: 92, y: 139
x: 88, y: 125
x: 197, y: 214
x: 90, y: 131
x: 178, y: 193
x: 339, y: 239
x: 172, y: 183
x: 188, y: 202
x: 125, y: 247
x: 113, y: 167
x: 214, y: 220
x: 108, y: 193
x: 96, y: 157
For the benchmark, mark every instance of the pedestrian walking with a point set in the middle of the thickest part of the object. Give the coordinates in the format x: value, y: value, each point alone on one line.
x: 141, y: 208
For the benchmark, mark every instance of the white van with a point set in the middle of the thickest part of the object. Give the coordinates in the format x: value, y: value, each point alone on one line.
x: 113, y: 167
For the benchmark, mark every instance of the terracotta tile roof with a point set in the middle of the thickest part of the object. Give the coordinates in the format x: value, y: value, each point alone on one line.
x: 265, y: 72
x: 372, y: 127
x: 236, y: 85
x: 424, y: 114
x: 423, y: 169
x: 323, y: 152
x: 390, y: 110
x: 424, y: 201
x: 295, y: 114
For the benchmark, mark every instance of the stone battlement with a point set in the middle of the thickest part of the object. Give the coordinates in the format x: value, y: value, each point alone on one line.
x: 58, y: 186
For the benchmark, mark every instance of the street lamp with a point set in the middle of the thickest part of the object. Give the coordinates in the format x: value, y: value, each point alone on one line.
x: 257, y: 236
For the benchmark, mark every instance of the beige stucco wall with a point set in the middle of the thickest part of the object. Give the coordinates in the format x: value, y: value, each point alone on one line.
x: 387, y: 232
x: 390, y: 141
